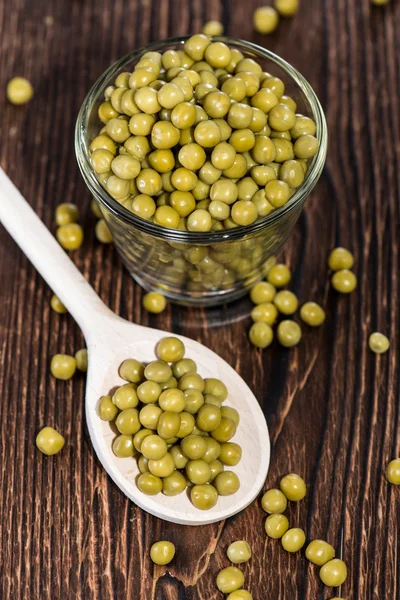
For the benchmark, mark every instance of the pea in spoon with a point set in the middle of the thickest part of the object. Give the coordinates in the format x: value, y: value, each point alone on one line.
x: 111, y: 339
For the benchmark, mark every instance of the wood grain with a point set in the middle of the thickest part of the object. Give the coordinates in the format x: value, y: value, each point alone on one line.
x: 333, y: 408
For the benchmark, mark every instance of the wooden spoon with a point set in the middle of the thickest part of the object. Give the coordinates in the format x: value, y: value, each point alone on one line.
x: 110, y: 340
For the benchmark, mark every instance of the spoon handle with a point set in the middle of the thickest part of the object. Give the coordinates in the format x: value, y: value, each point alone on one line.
x: 44, y: 252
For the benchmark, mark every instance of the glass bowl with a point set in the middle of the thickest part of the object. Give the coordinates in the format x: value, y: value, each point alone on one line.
x: 203, y: 269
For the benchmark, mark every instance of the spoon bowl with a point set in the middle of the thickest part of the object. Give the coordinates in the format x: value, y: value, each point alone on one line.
x: 110, y: 340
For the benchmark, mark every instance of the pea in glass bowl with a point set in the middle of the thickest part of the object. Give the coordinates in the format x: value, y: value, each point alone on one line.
x: 203, y: 269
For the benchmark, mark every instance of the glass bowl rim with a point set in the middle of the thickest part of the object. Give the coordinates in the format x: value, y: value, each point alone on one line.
x: 196, y: 237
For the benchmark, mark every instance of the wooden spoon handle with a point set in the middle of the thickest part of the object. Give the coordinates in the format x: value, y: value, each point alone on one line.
x: 44, y: 252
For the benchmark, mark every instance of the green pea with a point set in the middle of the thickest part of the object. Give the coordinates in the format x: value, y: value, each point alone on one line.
x: 225, y: 430
x: 230, y: 454
x: 198, y: 471
x: 194, y: 400
x: 153, y: 447
x: 139, y: 437
x: 131, y: 370
x: 49, y: 441
x: 168, y: 424
x: 204, y: 496
x: 149, y: 392
x: 149, y: 484
x: 149, y: 416
x: 208, y: 417
x: 184, y: 366
x: 333, y: 573
x: 230, y: 580
x: 227, y: 483
x: 180, y: 460
x: 123, y: 446
x: 194, y: 447
x: 127, y: 421
x: 293, y: 540
x: 216, y: 387
x: 106, y: 409
x: 276, y: 525
x: 239, y: 552
x: 187, y: 424
x: 170, y: 349
x: 174, y: 484
x: 63, y: 366
x: 319, y: 552
x: 162, y: 467
x: 158, y: 371
x: 274, y: 502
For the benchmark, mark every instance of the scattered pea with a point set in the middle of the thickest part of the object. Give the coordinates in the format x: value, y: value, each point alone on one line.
x: 312, y: 314
x: 344, y: 281
x: 19, y: 90
x: 81, y: 357
x: 230, y: 580
x: 279, y: 276
x: 67, y: 213
x: 333, y: 573
x: 293, y: 540
x: 262, y: 292
x: 378, y: 343
x: 340, y: 258
x: 274, y: 502
x: 239, y: 552
x: 276, y: 525
x: 265, y: 19
x: 288, y: 333
x: 213, y: 28
x: 103, y: 234
x: 70, y: 236
x: 265, y: 312
x: 162, y: 553
x: 286, y: 302
x: 393, y: 471
x: 261, y: 334
x: 319, y: 552
x: 154, y: 302
x: 57, y: 305
x: 63, y: 366
x: 287, y: 8
x: 240, y: 595
x: 49, y: 441
x: 294, y: 487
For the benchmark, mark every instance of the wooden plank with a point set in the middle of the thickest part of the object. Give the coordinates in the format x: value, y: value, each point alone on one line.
x: 332, y: 406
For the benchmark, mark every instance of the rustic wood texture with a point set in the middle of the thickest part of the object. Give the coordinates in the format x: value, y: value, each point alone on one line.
x: 66, y: 531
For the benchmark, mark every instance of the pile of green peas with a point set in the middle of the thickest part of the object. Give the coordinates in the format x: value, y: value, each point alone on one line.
x: 201, y: 139
x: 175, y: 424
x: 271, y: 301
x: 333, y: 571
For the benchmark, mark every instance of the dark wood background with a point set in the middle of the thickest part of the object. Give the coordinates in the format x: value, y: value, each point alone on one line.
x: 66, y: 531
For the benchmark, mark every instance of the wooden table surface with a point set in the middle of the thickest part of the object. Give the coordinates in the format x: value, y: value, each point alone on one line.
x: 332, y: 406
